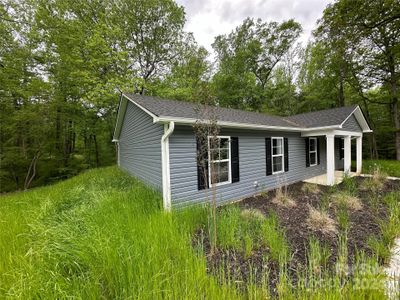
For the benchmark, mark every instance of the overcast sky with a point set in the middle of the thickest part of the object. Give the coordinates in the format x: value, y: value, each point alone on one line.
x: 209, y: 18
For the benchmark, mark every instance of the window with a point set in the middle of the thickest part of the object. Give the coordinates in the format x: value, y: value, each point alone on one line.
x: 277, y: 155
x: 313, y: 151
x: 219, y: 160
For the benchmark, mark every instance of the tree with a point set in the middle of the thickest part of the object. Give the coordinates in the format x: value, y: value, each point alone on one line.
x: 152, y: 36
x: 246, y: 59
x: 188, y: 76
x: 371, y: 30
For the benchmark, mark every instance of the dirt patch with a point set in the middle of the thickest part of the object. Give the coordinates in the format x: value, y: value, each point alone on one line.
x: 363, y: 224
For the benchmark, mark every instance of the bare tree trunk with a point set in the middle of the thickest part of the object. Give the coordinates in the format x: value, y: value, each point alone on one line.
x: 371, y: 137
x: 395, y: 112
x: 341, y: 88
x: 32, y: 169
x: 96, y: 149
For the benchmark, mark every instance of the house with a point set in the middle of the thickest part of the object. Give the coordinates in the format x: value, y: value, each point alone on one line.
x: 157, y: 144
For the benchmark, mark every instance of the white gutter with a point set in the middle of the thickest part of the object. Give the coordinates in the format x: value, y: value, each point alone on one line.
x: 186, y: 121
x: 166, y: 181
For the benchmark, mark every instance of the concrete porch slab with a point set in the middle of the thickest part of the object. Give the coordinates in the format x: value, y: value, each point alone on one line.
x: 322, y: 179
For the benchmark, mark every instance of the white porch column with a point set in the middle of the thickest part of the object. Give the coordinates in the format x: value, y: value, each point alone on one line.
x: 330, y: 159
x: 347, y: 154
x: 359, y: 155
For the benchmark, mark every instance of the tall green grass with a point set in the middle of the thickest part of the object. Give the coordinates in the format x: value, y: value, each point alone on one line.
x: 101, y: 234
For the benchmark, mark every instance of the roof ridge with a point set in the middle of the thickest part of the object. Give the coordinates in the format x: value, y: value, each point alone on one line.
x: 218, y: 107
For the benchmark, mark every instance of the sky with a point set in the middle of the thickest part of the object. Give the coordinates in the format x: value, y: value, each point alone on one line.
x: 209, y: 18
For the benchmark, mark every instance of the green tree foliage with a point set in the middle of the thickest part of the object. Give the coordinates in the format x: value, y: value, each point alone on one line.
x: 247, y: 58
x: 364, y: 40
x: 61, y: 65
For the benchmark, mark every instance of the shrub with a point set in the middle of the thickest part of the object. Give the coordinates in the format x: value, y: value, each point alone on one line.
x: 320, y: 220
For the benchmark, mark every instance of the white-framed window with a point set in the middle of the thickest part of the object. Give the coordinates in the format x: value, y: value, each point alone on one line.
x: 312, y: 151
x: 277, y: 155
x: 219, y: 160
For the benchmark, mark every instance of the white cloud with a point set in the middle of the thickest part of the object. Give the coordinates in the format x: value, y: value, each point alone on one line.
x: 209, y: 18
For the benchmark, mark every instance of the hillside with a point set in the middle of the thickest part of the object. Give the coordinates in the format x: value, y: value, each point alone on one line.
x: 103, y: 234
x: 100, y: 234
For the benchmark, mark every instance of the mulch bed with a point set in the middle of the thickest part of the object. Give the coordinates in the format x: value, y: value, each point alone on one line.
x: 363, y: 225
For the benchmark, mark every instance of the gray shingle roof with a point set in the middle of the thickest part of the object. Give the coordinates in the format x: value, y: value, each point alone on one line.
x: 178, y: 109
x: 327, y: 117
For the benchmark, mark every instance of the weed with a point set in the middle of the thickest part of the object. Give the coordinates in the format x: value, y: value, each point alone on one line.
x: 273, y: 236
x: 346, y: 200
x: 376, y: 182
x: 320, y: 220
x: 317, y: 256
x: 252, y: 214
x: 343, y: 219
x: 350, y: 184
x: 310, y: 188
x: 282, y: 197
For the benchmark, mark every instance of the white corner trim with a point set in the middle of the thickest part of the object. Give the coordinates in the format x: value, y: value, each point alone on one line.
x: 118, y: 154
x: 166, y: 180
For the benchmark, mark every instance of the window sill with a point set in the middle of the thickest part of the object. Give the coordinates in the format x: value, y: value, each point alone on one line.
x: 279, y: 172
x: 220, y: 183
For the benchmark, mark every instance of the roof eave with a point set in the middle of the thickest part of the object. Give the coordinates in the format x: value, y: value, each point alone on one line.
x: 190, y: 121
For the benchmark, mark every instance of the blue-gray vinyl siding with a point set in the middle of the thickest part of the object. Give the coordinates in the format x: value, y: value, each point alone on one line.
x: 252, y: 165
x: 352, y: 125
x: 140, y: 146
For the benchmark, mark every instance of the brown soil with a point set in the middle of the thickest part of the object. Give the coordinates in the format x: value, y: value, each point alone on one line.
x: 363, y: 225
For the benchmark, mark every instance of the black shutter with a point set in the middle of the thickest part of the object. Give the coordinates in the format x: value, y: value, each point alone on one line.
x: 268, y: 155
x: 286, y: 149
x: 307, y: 152
x: 235, y: 159
x: 202, y: 163
x: 318, y: 156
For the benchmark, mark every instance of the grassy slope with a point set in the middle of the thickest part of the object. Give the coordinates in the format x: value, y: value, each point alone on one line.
x: 100, y: 234
x: 103, y: 234
x: 391, y: 167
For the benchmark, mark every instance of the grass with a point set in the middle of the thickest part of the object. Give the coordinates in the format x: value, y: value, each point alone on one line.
x: 250, y: 229
x: 376, y: 182
x: 390, y: 167
x: 345, y: 200
x: 320, y: 220
x: 310, y: 188
x: 283, y: 198
x: 390, y: 228
x: 103, y: 234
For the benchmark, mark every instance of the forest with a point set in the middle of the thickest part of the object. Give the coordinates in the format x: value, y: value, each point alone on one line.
x: 63, y: 64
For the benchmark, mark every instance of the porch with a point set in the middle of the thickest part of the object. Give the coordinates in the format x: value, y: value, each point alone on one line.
x: 333, y: 176
x: 322, y: 179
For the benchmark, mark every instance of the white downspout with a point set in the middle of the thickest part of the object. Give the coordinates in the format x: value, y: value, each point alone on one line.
x: 166, y: 181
